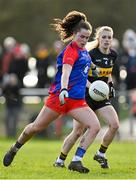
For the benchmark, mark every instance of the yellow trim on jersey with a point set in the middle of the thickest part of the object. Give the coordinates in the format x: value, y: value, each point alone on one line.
x: 104, y: 72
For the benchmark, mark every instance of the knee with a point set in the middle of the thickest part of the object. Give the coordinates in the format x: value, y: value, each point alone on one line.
x: 28, y: 130
x: 114, y: 126
x: 34, y: 128
x: 95, y: 128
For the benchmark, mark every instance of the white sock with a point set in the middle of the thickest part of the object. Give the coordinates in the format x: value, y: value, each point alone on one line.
x: 101, y: 154
x: 59, y: 160
x: 76, y: 158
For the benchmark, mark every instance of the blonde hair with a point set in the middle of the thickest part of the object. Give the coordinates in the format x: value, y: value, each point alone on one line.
x: 93, y: 44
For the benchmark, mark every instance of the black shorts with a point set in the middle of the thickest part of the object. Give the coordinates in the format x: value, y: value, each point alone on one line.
x: 95, y: 105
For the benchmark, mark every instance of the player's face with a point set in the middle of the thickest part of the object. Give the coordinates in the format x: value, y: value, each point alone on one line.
x: 82, y: 37
x: 105, y: 39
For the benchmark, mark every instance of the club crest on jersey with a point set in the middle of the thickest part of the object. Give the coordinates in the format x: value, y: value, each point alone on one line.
x: 85, y: 71
x: 98, y: 60
x: 106, y: 59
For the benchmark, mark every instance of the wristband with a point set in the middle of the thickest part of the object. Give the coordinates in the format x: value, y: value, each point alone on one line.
x: 63, y: 89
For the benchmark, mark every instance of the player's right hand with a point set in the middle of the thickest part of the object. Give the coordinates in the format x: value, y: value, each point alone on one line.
x: 63, y: 95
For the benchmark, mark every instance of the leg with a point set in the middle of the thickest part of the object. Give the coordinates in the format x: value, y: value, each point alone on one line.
x: 110, y: 116
x: 45, y: 117
x: 72, y: 137
x: 69, y: 143
x: 88, y: 118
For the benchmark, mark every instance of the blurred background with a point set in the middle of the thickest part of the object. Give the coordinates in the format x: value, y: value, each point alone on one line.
x: 28, y: 50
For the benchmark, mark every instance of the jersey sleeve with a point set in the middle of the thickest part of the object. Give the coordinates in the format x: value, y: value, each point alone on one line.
x: 70, y: 55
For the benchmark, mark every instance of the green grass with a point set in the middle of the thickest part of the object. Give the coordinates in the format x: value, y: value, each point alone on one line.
x: 35, y: 159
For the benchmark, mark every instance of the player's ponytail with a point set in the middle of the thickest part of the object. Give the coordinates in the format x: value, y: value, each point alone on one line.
x: 91, y: 45
x: 72, y: 22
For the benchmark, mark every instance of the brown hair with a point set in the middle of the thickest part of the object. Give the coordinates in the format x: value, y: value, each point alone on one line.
x: 72, y: 22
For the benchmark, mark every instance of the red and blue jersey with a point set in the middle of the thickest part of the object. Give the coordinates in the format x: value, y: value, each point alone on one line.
x: 80, y: 61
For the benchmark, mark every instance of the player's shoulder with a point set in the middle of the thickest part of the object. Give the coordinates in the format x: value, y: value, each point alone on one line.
x: 93, y: 52
x: 71, y: 51
x: 71, y: 47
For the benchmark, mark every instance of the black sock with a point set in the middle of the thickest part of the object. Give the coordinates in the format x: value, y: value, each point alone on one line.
x: 103, y: 149
x: 63, y: 156
x: 16, y: 146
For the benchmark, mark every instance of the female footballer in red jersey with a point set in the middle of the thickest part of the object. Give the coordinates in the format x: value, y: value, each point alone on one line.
x: 67, y: 93
x: 103, y: 57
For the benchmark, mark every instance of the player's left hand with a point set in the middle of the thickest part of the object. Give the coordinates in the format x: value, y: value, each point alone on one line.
x: 63, y: 95
x: 95, y: 71
x: 111, y: 90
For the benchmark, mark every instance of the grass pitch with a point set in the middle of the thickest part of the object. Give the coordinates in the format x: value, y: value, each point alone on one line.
x: 35, y: 161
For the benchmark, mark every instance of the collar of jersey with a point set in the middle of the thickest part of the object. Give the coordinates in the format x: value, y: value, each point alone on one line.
x: 75, y: 45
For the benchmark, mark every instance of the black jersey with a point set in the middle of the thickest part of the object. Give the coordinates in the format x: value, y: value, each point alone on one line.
x: 104, y: 62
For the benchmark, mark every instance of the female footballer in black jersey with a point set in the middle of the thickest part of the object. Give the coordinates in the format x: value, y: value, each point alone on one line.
x: 103, y: 57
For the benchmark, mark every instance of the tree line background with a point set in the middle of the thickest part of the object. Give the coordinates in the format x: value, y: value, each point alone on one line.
x: 29, y: 20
